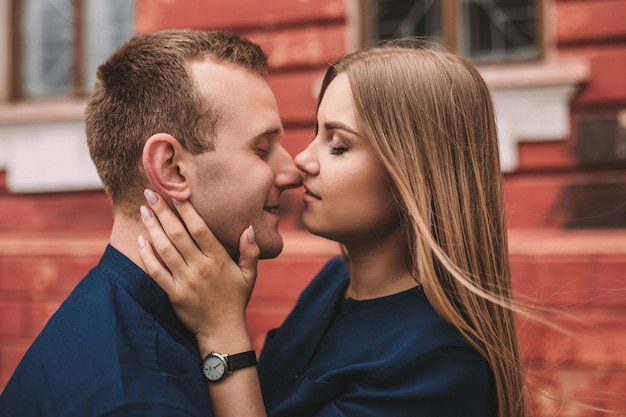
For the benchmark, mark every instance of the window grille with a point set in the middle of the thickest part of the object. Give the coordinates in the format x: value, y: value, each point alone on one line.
x: 482, y: 30
x: 60, y: 43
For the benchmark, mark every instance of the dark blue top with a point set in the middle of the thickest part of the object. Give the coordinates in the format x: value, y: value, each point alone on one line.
x: 390, y: 356
x: 114, y: 348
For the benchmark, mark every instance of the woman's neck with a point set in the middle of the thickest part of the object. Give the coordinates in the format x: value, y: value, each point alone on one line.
x: 378, y: 270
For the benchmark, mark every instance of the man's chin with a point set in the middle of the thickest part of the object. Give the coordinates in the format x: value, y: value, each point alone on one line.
x: 270, y: 250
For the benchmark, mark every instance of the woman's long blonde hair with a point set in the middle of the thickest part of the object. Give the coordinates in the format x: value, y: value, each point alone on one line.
x: 428, y: 116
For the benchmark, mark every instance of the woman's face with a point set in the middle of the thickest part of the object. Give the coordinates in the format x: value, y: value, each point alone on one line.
x: 347, y: 196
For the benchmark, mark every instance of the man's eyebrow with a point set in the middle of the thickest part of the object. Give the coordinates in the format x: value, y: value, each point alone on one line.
x: 340, y: 126
x: 272, y: 131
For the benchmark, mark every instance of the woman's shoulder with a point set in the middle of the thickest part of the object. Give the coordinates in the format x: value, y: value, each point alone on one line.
x: 332, y: 278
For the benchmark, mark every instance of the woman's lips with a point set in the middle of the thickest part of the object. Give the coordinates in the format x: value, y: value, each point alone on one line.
x: 309, y: 195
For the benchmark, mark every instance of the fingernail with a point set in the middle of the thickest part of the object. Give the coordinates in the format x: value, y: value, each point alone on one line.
x: 251, y: 235
x: 151, y: 197
x: 146, y: 213
x: 176, y: 201
x: 142, y: 242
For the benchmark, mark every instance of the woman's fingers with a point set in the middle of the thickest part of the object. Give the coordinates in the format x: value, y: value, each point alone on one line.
x: 207, y: 289
x: 197, y: 228
x: 248, y: 255
x: 168, y: 233
x: 154, y: 267
x: 189, y: 237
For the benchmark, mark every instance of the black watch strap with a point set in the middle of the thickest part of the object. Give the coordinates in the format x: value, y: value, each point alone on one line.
x: 241, y: 360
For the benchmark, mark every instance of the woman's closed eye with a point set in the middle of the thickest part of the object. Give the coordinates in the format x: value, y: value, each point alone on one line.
x: 338, y: 150
x: 337, y: 146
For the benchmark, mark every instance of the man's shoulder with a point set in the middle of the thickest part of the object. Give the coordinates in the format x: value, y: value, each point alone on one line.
x: 103, y: 351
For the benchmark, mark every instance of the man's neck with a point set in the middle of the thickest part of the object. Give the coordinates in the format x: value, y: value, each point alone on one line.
x: 124, y: 236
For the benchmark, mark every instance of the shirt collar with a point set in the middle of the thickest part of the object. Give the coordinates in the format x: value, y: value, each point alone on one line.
x: 143, y: 289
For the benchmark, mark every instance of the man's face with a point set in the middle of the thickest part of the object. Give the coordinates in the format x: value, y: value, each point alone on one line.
x: 240, y: 182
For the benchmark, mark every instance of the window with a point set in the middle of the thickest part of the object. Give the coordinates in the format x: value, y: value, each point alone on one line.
x: 482, y: 30
x: 58, y: 44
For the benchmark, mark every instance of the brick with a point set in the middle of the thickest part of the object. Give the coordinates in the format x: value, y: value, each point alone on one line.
x: 194, y: 14
x: 11, y: 352
x: 261, y: 319
x: 285, y: 278
x: 554, y: 391
x: 590, y: 21
x: 3, y: 181
x: 35, y: 277
x: 26, y: 318
x: 13, y: 318
x: 602, y: 341
x: 297, y: 138
x: 552, y: 279
x: 302, y: 46
x: 608, y: 85
x: 530, y: 198
x: 531, y: 335
x: 576, y: 391
x: 72, y: 245
x: 38, y: 315
x: 608, y: 280
x: 64, y: 212
x: 30, y: 275
x: 545, y: 155
x: 614, y: 387
x: 586, y: 338
x: 296, y: 94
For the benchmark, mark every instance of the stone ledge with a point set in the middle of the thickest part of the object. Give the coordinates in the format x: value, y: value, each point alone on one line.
x: 45, y: 111
x: 567, y: 242
x: 301, y: 243
x: 296, y: 243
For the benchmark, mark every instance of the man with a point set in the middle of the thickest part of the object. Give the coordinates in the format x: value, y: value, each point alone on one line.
x: 190, y: 115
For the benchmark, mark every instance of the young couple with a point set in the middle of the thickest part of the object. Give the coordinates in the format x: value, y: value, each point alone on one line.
x: 403, y: 172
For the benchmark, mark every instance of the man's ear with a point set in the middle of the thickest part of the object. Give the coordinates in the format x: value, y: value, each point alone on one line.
x: 162, y: 156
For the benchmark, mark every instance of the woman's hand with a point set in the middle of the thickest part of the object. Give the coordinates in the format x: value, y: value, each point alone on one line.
x: 208, y: 291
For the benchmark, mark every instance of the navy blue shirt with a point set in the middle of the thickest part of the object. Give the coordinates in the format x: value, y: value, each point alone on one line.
x: 390, y: 356
x: 114, y: 348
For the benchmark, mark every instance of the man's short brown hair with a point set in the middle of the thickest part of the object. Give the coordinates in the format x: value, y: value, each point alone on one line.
x: 145, y: 88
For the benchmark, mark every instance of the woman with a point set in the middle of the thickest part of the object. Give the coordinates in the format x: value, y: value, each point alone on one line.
x: 416, y: 318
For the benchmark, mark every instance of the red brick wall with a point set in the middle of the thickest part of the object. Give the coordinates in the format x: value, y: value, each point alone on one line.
x: 576, y: 282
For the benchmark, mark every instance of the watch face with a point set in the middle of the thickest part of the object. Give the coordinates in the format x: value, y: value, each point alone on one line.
x: 214, y: 367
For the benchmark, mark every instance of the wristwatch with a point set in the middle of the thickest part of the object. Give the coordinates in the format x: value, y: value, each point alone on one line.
x: 217, y: 365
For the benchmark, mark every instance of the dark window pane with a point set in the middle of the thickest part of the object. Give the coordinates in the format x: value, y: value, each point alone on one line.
x: 482, y: 30
x: 107, y: 25
x: 47, y: 39
x: 50, y: 33
x: 394, y: 18
x: 500, y: 29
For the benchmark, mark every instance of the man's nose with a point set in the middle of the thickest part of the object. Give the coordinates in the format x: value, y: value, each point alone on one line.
x: 287, y: 175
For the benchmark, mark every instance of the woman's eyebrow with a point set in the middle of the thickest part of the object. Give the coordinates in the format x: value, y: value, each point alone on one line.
x: 340, y: 126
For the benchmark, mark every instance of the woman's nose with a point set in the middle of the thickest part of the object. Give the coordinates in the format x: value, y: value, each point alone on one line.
x: 306, y: 162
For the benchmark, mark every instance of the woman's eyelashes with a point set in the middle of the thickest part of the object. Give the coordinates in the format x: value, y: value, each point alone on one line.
x: 338, y: 150
x: 337, y: 147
